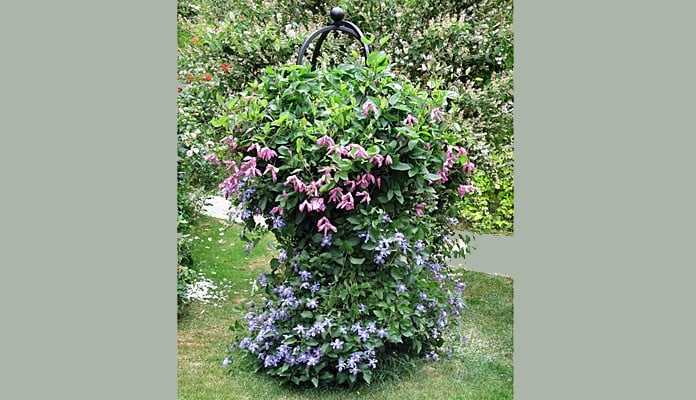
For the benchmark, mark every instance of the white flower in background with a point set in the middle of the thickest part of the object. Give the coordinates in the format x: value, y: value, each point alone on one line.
x: 260, y: 220
x: 205, y: 291
x: 290, y: 32
x: 189, y: 153
x: 458, y: 245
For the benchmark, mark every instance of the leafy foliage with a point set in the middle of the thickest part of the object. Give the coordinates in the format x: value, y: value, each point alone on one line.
x: 467, y: 45
x: 360, y: 175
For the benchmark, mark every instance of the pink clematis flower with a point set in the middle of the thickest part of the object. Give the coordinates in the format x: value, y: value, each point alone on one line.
x: 266, y: 153
x: 326, y: 171
x: 369, y: 106
x: 312, y: 189
x: 248, y: 167
x: 334, y: 194
x: 273, y: 170
x: 347, y: 202
x: 342, y: 151
x: 297, y: 183
x: 388, y: 160
x: 359, y: 151
x: 229, y: 140
x: 212, y: 157
x: 324, y: 225
x: 230, y: 165
x: 317, y: 204
x: 464, y: 189
x: 351, y: 184
x: 436, y: 115
x: 254, y: 146
x: 377, y: 160
x: 228, y: 186
x: 365, y: 180
x: 419, y: 209
x: 314, y: 204
x: 277, y: 210
x: 365, y: 197
x: 469, y: 167
x: 325, y: 141
x: 410, y: 120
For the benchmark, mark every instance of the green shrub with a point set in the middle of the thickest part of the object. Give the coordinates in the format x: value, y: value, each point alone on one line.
x: 185, y: 274
x: 360, y: 175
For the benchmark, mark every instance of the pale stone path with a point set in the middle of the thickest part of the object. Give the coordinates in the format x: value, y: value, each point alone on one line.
x: 217, y: 206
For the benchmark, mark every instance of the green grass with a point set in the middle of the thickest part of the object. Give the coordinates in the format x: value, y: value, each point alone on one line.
x: 482, y: 371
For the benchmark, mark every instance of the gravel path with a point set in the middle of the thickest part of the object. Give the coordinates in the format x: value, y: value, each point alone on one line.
x: 217, y: 206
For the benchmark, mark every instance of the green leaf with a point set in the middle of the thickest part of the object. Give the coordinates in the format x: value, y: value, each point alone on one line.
x: 306, y: 314
x: 283, y: 117
x: 367, y: 376
x: 283, y: 151
x: 394, y: 338
x: 355, y: 220
x: 357, y: 261
x: 217, y: 122
x: 290, y: 340
x: 431, y: 177
x: 401, y: 166
x: 400, y: 198
x: 325, y: 376
x: 315, y: 381
x: 393, y: 99
x: 377, y: 59
x: 345, y: 246
x: 262, y: 203
x: 384, y: 40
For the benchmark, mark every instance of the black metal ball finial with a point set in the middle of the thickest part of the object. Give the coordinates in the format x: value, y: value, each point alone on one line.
x: 337, y: 14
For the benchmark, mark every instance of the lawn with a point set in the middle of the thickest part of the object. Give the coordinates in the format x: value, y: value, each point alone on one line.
x: 483, y: 368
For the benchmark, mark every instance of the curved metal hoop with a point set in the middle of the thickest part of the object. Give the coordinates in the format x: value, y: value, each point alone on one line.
x: 338, y: 25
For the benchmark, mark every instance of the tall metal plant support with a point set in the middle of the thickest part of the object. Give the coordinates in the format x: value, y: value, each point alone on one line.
x: 337, y: 15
